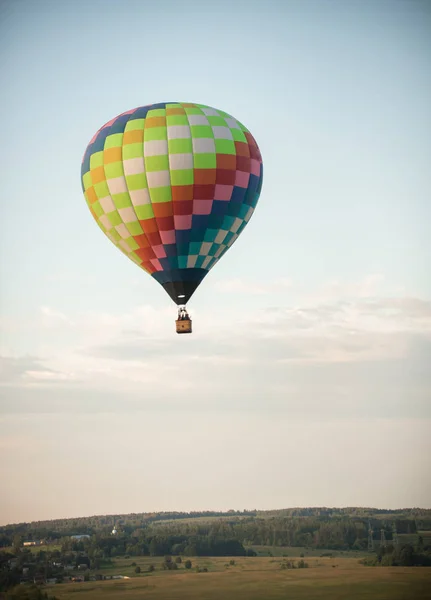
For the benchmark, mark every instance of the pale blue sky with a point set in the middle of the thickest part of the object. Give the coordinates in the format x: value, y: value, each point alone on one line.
x: 324, y: 298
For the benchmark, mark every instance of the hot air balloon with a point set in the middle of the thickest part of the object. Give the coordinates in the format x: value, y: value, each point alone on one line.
x: 173, y: 185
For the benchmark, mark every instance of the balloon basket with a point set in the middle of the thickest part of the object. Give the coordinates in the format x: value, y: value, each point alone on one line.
x: 183, y: 326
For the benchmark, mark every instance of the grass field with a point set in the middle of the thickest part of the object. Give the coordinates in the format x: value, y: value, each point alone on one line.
x: 292, y: 551
x: 257, y: 578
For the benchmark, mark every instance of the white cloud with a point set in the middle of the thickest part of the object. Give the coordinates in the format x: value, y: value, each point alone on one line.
x: 240, y: 286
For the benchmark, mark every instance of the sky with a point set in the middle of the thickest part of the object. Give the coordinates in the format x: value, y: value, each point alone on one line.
x: 307, y: 380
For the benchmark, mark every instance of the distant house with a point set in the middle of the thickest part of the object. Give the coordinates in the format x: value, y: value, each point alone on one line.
x: 80, y: 537
x: 33, y: 543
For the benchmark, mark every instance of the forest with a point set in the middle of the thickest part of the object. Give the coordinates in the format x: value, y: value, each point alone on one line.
x: 38, y: 551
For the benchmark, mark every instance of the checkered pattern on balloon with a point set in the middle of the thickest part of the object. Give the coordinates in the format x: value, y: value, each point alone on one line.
x: 173, y: 185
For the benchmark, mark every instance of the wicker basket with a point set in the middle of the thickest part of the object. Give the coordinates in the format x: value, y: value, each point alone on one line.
x: 184, y: 325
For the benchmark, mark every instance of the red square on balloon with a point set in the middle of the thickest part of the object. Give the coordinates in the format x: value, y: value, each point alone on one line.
x: 183, y: 208
x: 225, y: 177
x: 165, y: 223
x: 204, y: 192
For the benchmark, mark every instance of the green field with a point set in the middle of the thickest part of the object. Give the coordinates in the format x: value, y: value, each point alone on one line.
x: 257, y: 578
x: 292, y: 551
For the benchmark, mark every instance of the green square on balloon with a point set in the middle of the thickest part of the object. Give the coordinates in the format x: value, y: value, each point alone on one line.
x: 205, y: 161
x: 114, y: 217
x: 180, y: 146
x: 101, y: 189
x: 130, y: 241
x: 134, y: 228
x: 216, y: 121
x: 114, y: 141
x: 161, y: 194
x: 135, y: 124
x: 113, y: 170
x: 96, y: 160
x: 193, y: 110
x: 133, y: 151
x: 121, y: 200
x: 176, y: 120
x: 156, y: 112
x: 144, y: 212
x: 98, y: 210
x: 238, y: 135
x: 201, y: 131
x: 225, y: 146
x: 155, y: 133
x: 182, y: 177
x: 157, y: 163
x: 87, y: 180
x: 138, y: 181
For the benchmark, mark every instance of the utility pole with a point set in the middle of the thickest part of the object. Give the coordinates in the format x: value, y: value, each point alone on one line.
x: 395, y: 540
x: 382, y: 538
x: 370, y: 538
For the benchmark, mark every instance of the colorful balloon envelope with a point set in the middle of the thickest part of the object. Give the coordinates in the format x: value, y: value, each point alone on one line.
x: 173, y: 185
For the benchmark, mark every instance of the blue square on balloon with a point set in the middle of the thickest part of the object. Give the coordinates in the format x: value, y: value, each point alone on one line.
x: 182, y: 249
x: 235, y: 208
x: 238, y: 194
x: 228, y: 237
x: 199, y: 261
x: 259, y: 185
x: 182, y: 262
x: 166, y: 266
x: 228, y: 222
x: 210, y: 235
x: 253, y: 183
x: 194, y: 247
x: 213, y: 249
x: 250, y: 197
x: 219, y: 208
x: 241, y: 227
x: 141, y: 113
x: 182, y: 236
x: 170, y: 249
x: 85, y: 167
x: 199, y: 226
x: 159, y: 105
x: 173, y: 262
x: 119, y: 125
x: 215, y: 221
x: 99, y: 143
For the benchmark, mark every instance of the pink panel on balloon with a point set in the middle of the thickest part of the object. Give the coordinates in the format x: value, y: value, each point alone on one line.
x: 159, y: 251
x: 156, y: 264
x: 223, y: 192
x: 183, y: 221
x: 242, y: 179
x: 202, y: 207
x: 168, y: 237
x: 255, y: 167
